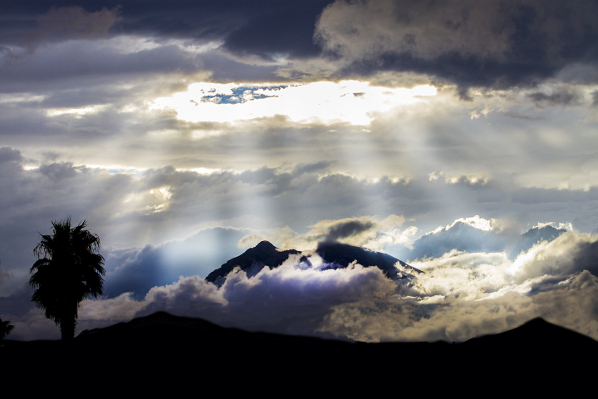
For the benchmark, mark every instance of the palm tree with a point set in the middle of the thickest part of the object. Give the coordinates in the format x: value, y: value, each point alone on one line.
x: 5, y: 329
x: 67, y: 271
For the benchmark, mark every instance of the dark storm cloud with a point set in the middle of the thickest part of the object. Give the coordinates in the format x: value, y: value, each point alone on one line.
x: 283, y: 28
x: 264, y: 28
x: 491, y: 44
x: 66, y: 45
x: 498, y: 44
x: 72, y: 23
x: 347, y: 229
x: 559, y: 97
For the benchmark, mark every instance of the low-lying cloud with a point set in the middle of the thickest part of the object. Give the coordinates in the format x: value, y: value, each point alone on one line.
x: 460, y: 295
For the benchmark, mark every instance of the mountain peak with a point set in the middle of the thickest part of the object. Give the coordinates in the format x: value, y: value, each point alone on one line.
x: 251, y: 261
x: 265, y: 245
x: 335, y: 254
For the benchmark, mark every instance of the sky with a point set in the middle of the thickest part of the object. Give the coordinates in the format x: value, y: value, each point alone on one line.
x: 458, y: 136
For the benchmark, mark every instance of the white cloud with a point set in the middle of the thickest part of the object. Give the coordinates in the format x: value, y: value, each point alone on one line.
x: 467, y: 275
x: 453, y: 319
x: 475, y: 222
x: 461, y: 296
x: 557, y: 257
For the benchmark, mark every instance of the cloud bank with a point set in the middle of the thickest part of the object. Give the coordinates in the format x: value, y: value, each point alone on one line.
x: 461, y: 295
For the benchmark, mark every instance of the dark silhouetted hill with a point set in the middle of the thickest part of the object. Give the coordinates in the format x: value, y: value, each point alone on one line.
x: 163, y: 351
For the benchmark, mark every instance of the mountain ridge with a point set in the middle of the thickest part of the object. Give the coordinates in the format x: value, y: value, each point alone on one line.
x: 537, y: 329
x: 161, y: 350
x: 335, y: 254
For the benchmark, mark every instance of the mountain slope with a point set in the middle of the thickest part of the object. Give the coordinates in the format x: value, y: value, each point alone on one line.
x: 343, y: 254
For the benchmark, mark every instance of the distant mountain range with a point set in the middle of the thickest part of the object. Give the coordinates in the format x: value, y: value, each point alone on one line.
x: 464, y: 237
x: 334, y: 254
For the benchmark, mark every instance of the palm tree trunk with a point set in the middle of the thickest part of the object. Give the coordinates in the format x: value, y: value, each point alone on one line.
x: 67, y: 324
x: 67, y: 329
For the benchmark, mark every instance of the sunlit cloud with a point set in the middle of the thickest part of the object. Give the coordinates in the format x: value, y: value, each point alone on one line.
x: 76, y: 112
x: 21, y: 98
x: 353, y: 102
x: 477, y: 179
x: 128, y: 44
x: 475, y: 221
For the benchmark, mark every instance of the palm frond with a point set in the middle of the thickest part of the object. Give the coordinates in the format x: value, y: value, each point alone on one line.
x: 5, y: 328
x: 68, y: 271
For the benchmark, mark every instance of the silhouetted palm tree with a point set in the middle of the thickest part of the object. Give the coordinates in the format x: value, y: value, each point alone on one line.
x: 5, y: 329
x: 69, y: 272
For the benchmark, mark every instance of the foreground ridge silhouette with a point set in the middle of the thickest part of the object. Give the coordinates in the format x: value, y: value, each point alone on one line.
x: 162, y: 348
